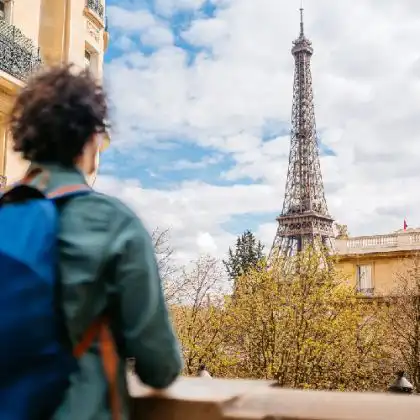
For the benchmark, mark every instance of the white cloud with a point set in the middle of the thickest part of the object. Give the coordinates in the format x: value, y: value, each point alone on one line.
x: 157, y: 36
x: 206, y: 243
x: 206, y: 32
x: 153, y: 31
x: 169, y: 7
x: 366, y: 81
x: 128, y: 20
x: 195, y: 211
x: 124, y: 43
x: 183, y: 164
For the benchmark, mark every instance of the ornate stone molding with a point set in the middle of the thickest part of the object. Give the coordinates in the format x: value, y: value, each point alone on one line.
x: 94, y: 18
x: 93, y: 30
x: 3, y: 182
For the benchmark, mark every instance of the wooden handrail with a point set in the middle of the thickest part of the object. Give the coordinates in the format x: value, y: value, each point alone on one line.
x: 217, y: 399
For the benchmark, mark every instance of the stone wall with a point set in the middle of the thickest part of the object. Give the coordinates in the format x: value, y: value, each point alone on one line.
x: 217, y: 399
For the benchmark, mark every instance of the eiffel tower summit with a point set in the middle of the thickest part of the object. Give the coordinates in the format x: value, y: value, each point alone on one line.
x: 304, y: 219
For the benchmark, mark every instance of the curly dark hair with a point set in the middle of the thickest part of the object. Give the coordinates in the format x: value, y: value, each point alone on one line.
x: 56, y: 114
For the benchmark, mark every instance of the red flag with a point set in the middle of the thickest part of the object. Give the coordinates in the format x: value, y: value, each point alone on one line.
x: 405, y: 225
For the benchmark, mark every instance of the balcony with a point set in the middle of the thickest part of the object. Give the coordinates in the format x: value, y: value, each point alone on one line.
x: 368, y: 292
x: 18, y: 55
x: 96, y: 6
x: 217, y: 399
x: 400, y: 241
x: 106, y: 34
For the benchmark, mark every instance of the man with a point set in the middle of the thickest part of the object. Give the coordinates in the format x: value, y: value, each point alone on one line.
x: 106, y: 262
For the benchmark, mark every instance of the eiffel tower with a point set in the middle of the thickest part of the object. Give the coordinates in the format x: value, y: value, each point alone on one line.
x: 304, y: 219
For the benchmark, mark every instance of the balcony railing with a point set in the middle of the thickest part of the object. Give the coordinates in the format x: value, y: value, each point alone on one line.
x: 217, y: 399
x: 96, y: 6
x: 379, y: 243
x: 366, y: 291
x: 374, y: 241
x: 18, y: 55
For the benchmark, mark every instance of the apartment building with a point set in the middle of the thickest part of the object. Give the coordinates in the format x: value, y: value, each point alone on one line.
x: 374, y: 264
x: 37, y: 33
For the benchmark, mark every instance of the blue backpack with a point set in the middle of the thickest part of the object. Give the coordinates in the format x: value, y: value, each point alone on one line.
x: 36, y: 357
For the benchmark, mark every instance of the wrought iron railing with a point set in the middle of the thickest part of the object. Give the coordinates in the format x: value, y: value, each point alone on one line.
x: 18, y: 55
x: 96, y: 6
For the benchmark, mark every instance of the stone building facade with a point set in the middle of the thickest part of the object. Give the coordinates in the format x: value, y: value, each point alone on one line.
x: 373, y: 263
x: 37, y: 33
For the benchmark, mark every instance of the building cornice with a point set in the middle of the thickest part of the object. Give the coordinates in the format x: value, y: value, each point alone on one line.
x: 9, y: 88
x: 406, y: 253
x: 95, y: 18
x: 10, y: 84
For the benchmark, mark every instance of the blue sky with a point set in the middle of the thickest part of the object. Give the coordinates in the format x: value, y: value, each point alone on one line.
x: 201, y: 94
x: 181, y: 160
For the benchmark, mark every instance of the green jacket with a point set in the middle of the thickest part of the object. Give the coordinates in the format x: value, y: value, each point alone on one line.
x: 107, y: 262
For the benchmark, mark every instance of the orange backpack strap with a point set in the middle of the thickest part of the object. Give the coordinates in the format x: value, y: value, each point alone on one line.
x: 110, y: 363
x: 88, y: 338
x: 110, y: 359
x: 68, y: 190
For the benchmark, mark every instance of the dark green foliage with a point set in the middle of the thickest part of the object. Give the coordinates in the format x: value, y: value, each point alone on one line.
x: 247, y: 255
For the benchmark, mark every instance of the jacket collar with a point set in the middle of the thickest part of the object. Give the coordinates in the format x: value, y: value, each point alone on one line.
x: 57, y: 175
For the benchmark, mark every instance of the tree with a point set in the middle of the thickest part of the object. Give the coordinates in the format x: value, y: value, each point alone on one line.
x: 342, y: 231
x: 404, y: 320
x: 306, y: 330
x: 172, y: 282
x: 198, y: 315
x: 247, y: 255
x: 164, y: 253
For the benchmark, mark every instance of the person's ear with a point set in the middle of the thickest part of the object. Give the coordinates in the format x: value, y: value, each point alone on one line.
x: 96, y: 140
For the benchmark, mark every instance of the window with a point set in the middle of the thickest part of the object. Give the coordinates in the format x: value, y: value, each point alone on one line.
x: 6, y: 10
x: 2, y: 10
x: 91, y: 60
x: 88, y: 61
x: 364, y: 279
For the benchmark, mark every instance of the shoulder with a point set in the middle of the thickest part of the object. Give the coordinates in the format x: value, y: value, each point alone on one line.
x: 101, y: 211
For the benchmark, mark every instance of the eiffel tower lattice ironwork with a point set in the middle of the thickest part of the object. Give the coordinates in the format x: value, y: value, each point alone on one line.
x: 304, y: 219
